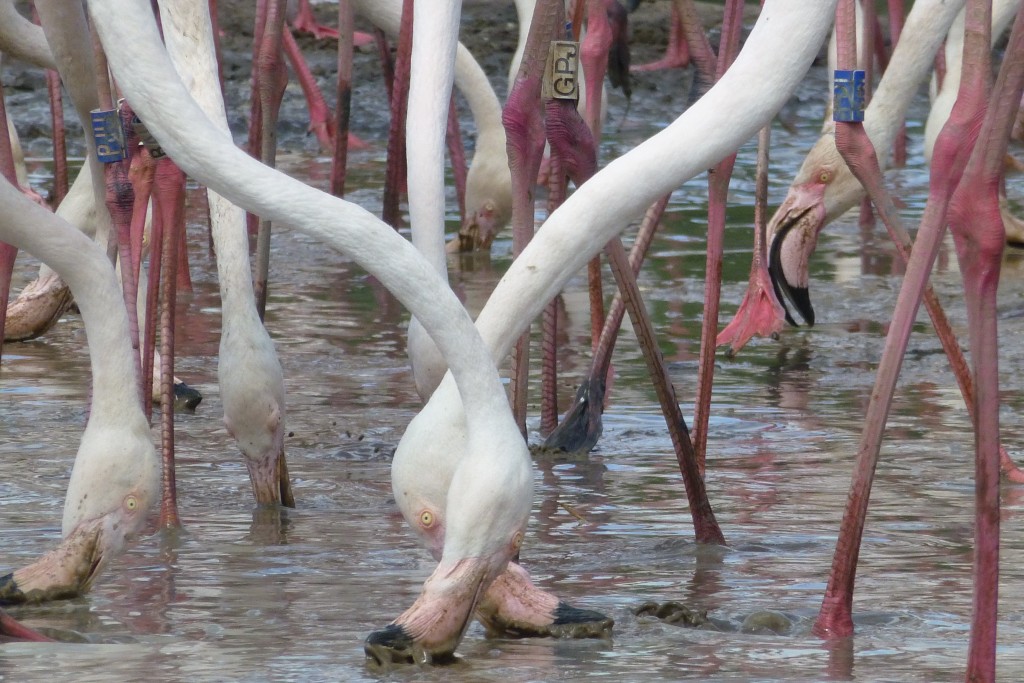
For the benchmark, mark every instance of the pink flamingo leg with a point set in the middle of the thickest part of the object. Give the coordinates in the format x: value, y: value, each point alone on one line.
x: 169, y: 208
x: 305, y: 21
x: 320, y: 122
x: 760, y: 313
x: 8, y: 253
x: 677, y: 53
x: 396, y: 171
x: 718, y: 190
x: 12, y: 630
x: 951, y: 150
x: 977, y: 226
x: 343, y: 111
x: 524, y: 130
x: 270, y: 78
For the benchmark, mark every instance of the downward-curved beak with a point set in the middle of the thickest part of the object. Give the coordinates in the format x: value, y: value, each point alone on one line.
x: 431, y: 629
x: 792, y: 238
x: 67, y: 571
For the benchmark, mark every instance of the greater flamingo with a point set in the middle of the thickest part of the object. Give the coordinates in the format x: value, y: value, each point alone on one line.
x: 116, y: 476
x: 248, y: 370
x: 479, y: 468
x: 964, y: 189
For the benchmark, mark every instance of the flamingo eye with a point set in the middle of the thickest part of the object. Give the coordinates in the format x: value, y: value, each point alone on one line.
x: 131, y: 503
x: 426, y: 519
x: 517, y: 541
x: 825, y: 177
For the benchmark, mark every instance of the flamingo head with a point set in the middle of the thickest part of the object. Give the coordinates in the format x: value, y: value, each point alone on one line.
x: 823, y: 189
x: 114, y: 483
x: 488, y: 195
x: 475, y: 526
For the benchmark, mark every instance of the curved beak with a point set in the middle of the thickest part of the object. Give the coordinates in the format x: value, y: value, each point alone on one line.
x: 432, y: 628
x: 478, y: 231
x: 67, y: 571
x: 792, y: 238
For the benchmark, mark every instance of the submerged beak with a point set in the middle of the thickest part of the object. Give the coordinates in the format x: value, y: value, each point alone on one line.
x: 432, y: 628
x: 792, y: 237
x: 67, y: 571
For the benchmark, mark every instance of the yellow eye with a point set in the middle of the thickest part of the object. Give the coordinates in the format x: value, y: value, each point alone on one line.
x: 825, y: 176
x: 426, y: 519
x: 517, y: 541
x: 131, y: 502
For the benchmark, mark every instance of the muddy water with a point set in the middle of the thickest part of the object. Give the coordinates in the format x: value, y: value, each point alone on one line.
x: 239, y: 595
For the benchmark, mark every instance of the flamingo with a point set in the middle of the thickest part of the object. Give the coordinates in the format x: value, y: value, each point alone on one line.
x: 479, y: 466
x: 116, y: 476
x: 248, y: 371
x: 964, y: 187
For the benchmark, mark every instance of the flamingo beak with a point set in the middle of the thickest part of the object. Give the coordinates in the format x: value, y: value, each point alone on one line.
x: 67, y: 571
x: 793, y: 235
x: 430, y: 630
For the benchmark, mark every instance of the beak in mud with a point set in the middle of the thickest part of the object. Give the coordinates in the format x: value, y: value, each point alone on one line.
x: 792, y: 237
x: 65, y: 572
x: 430, y: 630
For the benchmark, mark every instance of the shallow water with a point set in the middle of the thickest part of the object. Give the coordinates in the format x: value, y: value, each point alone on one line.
x: 244, y: 595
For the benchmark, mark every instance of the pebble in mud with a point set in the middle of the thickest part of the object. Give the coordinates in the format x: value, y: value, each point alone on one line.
x: 673, y: 612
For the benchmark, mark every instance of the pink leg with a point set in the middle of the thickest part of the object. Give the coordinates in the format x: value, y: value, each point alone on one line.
x: 169, y: 210
x: 343, y: 113
x: 273, y: 77
x: 524, y: 128
x: 320, y: 122
x: 760, y: 313
x: 8, y: 253
x: 396, y: 169
x: 897, y: 13
x: 581, y: 427
x: 12, y: 630
x: 977, y: 226
x: 305, y: 21
x: 677, y: 54
x: 718, y: 190
x: 834, y: 619
x: 457, y: 156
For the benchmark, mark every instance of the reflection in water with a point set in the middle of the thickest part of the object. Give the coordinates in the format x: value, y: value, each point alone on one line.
x: 244, y: 594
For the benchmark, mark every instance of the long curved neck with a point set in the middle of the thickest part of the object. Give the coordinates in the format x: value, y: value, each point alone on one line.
x: 21, y: 39
x: 88, y: 272
x: 192, y: 51
x: 149, y: 81
x: 435, y: 32
x: 474, y: 85
x: 773, y: 61
x: 925, y: 29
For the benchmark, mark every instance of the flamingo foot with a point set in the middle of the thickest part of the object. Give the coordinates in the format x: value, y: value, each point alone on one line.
x: 514, y: 607
x: 760, y: 314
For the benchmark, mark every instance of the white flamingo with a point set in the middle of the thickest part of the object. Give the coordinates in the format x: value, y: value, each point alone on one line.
x: 248, y: 370
x: 116, y: 476
x: 478, y: 483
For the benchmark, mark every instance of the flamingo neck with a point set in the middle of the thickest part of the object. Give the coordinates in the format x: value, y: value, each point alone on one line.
x: 925, y: 29
x: 148, y: 79
x: 774, y: 60
x: 85, y: 268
